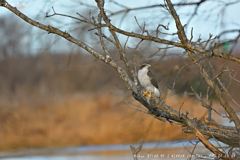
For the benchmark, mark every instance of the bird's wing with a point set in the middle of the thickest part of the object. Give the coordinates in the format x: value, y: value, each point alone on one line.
x: 153, y: 79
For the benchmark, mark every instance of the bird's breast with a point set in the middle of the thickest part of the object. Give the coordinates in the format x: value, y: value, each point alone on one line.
x: 143, y: 78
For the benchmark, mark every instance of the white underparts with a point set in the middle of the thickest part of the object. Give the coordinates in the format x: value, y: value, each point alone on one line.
x: 145, y: 81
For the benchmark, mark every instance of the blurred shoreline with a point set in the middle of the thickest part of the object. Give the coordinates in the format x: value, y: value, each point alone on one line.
x: 169, y: 149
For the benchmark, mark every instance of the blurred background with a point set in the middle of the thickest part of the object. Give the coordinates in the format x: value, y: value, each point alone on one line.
x: 54, y: 94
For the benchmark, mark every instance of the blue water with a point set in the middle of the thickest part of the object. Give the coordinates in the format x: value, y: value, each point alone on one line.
x: 79, y: 157
x: 84, y: 152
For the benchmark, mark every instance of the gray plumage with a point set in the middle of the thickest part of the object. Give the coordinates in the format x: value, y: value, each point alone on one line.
x: 147, y: 80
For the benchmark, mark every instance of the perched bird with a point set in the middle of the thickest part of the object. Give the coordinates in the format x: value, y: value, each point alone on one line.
x: 148, y: 81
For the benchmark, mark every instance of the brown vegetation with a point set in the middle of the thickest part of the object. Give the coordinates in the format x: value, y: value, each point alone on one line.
x: 84, y: 119
x: 47, y: 103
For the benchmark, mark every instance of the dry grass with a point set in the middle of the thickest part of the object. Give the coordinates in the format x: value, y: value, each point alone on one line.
x: 45, y: 103
x: 86, y: 119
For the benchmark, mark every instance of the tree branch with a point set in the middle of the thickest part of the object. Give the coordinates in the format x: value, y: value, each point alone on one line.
x: 211, y: 83
x: 123, y: 57
x: 135, y: 151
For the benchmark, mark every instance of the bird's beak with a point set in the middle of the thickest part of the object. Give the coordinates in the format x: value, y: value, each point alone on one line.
x: 149, y: 65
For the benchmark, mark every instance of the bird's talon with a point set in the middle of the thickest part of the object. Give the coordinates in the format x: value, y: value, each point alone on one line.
x: 145, y: 93
x: 148, y: 94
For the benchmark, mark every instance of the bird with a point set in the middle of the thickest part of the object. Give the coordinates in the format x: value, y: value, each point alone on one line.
x: 148, y: 81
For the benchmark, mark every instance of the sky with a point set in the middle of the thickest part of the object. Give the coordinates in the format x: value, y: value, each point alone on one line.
x: 202, y: 24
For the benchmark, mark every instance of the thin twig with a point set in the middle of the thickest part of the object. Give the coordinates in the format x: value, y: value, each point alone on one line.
x: 193, y: 150
x: 64, y: 15
x: 135, y: 151
x: 125, y: 44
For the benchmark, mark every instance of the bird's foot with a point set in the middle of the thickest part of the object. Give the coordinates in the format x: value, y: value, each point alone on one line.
x: 145, y: 93
x: 148, y: 94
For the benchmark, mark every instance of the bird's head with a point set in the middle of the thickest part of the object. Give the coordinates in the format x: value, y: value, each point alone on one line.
x: 145, y: 65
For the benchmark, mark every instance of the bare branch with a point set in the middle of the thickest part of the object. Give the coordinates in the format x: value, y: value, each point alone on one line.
x: 118, y: 4
x: 154, y: 6
x: 209, y: 118
x: 228, y: 31
x: 108, y: 57
x: 212, y: 84
x: 154, y: 53
x: 138, y: 44
x: 138, y: 23
x: 135, y: 151
x: 125, y: 45
x: 160, y: 25
x: 123, y: 57
x: 225, y: 56
x: 64, y: 15
x: 233, y: 77
x: 104, y: 36
x: 181, y: 32
x: 214, y: 123
x: 209, y: 39
x: 191, y: 35
x: 208, y: 145
x: 235, y: 44
x: 193, y: 149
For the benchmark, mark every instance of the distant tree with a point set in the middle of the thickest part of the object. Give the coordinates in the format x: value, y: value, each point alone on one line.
x: 12, y: 40
x: 198, y: 51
